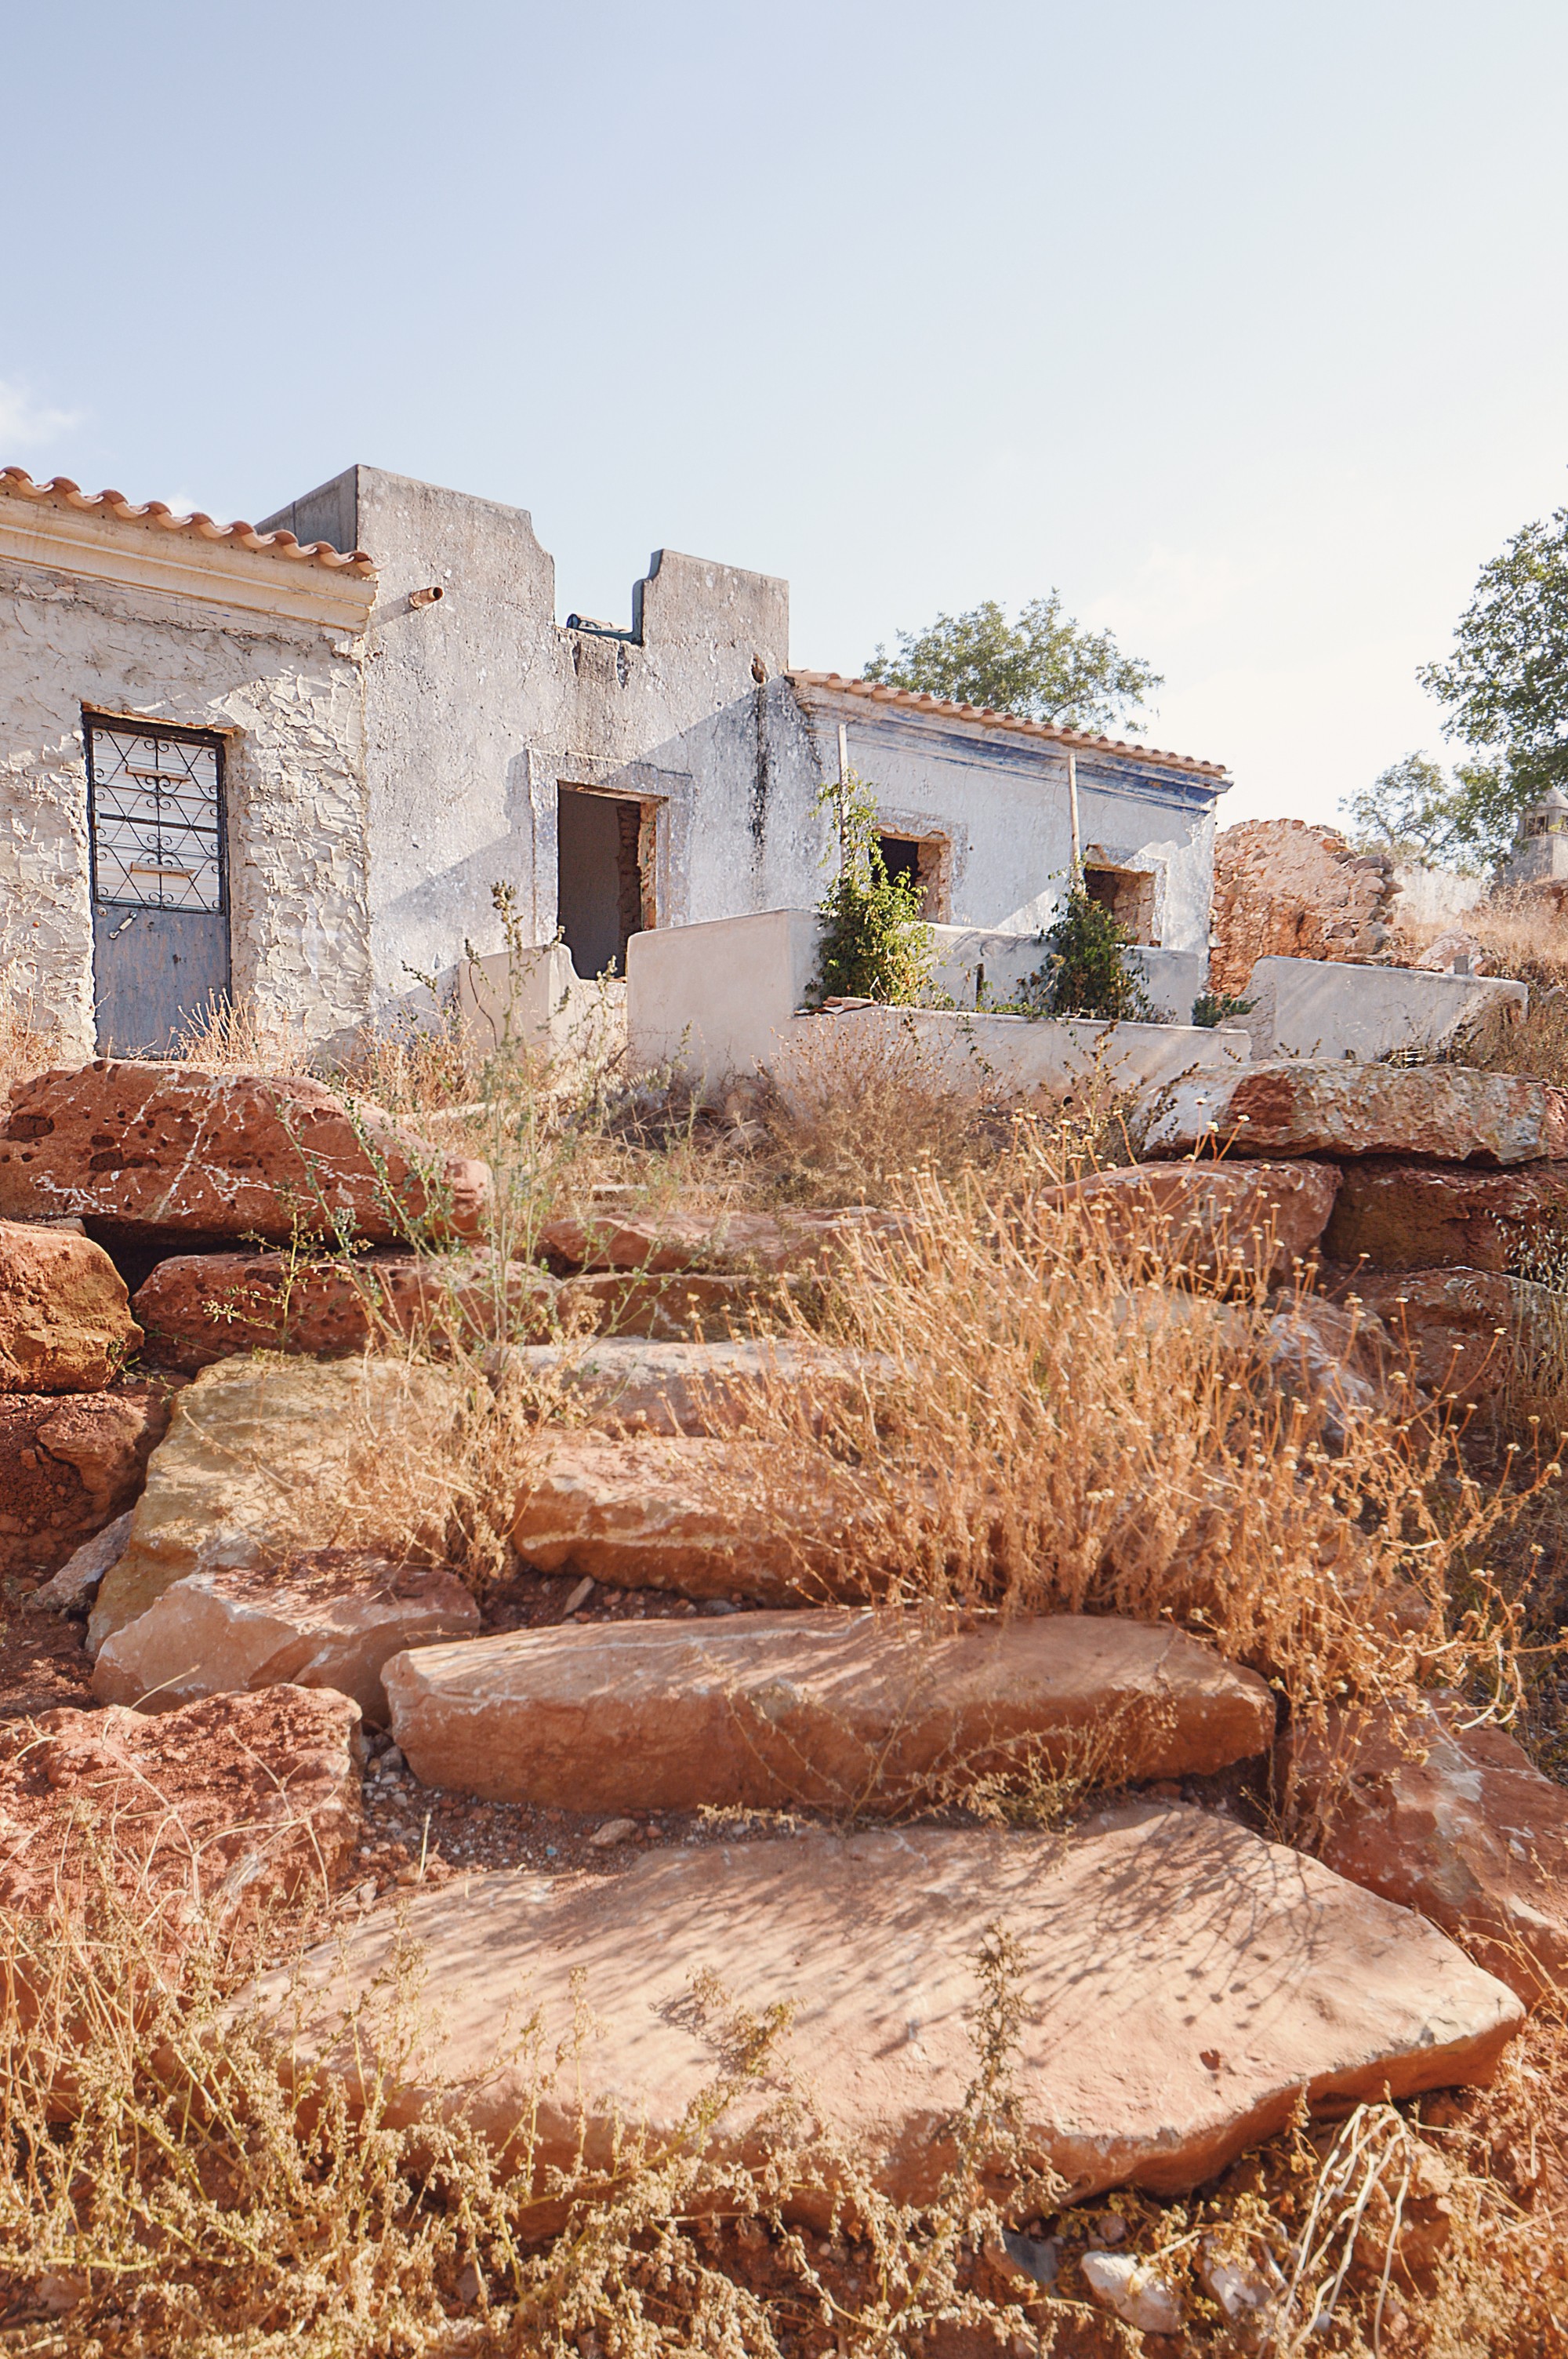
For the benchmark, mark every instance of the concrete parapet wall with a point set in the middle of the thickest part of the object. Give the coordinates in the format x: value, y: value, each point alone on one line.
x: 989, y: 1056
x: 1315, y: 1007
x: 723, y: 999
x: 536, y: 1001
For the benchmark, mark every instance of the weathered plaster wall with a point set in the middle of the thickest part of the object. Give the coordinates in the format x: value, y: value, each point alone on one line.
x: 289, y: 693
x: 480, y: 705
x: 1001, y: 802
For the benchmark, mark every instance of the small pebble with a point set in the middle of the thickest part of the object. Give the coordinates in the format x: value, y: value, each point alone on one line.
x: 613, y: 1831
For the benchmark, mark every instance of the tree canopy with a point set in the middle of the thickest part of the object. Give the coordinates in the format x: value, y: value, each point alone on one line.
x: 1416, y: 812
x: 1044, y: 667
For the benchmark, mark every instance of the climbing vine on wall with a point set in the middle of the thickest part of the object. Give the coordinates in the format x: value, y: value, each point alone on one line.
x: 874, y: 944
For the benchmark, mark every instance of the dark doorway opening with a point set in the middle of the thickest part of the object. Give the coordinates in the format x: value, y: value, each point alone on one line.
x: 601, y: 895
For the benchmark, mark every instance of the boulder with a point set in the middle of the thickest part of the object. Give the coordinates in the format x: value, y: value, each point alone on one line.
x: 1422, y: 1216
x: 630, y: 1385
x: 1461, y: 1333
x: 1439, y: 1114
x: 327, y: 1621
x: 1332, y: 1355
x: 1179, y: 1986
x: 72, y: 1589
x: 69, y: 1464
x: 1451, y: 1820
x: 65, y: 1318
x: 199, y: 1308
x: 655, y: 1244
x: 687, y: 1515
x: 1252, y: 1220
x: 170, y: 1150
x: 265, y: 1458
x: 837, y: 1710
x: 228, y: 1806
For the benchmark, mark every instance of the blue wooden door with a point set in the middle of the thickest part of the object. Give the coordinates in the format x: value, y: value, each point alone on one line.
x: 161, y: 913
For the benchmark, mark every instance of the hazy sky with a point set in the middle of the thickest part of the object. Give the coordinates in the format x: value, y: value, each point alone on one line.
x: 1242, y: 321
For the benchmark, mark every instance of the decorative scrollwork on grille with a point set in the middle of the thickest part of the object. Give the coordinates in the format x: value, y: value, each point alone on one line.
x: 157, y: 819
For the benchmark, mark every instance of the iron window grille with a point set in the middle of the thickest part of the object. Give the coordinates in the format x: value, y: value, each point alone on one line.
x: 156, y: 817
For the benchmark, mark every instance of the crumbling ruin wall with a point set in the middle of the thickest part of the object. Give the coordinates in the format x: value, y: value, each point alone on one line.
x: 1283, y: 889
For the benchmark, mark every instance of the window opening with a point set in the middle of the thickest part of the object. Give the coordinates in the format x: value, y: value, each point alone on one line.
x: 1129, y: 894
x: 155, y: 818
x: 916, y: 860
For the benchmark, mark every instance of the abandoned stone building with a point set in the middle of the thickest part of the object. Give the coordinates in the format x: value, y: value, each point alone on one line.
x: 293, y: 761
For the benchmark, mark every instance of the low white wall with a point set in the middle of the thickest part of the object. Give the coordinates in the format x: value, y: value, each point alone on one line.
x: 1433, y: 897
x: 537, y: 1001
x: 1315, y: 1007
x: 1001, y: 1056
x: 724, y: 999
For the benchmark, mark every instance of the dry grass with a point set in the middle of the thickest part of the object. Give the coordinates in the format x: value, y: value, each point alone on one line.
x: 28, y: 1044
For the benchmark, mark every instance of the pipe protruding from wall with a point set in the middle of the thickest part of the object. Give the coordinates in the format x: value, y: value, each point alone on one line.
x: 426, y: 597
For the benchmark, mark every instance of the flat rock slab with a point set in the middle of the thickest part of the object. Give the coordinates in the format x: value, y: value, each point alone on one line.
x: 1249, y: 1220
x: 263, y: 1459
x: 684, y: 1306
x: 1420, y: 1216
x: 1461, y: 1331
x: 1439, y: 1114
x: 65, y: 1316
x: 657, y: 1242
x: 330, y: 1621
x: 685, y: 1514
x: 199, y: 1308
x: 214, y: 1809
x: 170, y: 1148
x: 828, y: 1709
x: 620, y: 1383
x: 69, y: 1464
x: 1181, y: 1983
x: 1452, y: 1820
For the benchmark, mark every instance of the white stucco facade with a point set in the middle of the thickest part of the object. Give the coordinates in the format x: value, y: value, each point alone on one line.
x: 404, y: 730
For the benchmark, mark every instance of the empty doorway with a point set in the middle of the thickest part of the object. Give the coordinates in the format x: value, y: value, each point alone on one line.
x: 602, y: 881
x: 160, y: 906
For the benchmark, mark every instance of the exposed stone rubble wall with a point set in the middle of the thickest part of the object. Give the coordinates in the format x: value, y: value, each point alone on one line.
x: 1282, y: 889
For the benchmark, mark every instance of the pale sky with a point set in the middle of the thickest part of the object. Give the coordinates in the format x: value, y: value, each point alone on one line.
x: 1239, y: 322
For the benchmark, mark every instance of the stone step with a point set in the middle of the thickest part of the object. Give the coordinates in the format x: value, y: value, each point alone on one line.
x: 222, y: 1154
x: 1439, y: 1114
x: 1181, y: 1984
x: 681, y: 1513
x: 1425, y: 1216
x: 328, y: 1621
x: 256, y: 1464
x: 1416, y: 1803
x: 1244, y: 1219
x: 199, y: 1308
x: 830, y: 1709
x: 622, y: 1384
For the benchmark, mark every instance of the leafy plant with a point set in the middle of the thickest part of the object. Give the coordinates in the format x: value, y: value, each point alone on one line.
x: 1086, y: 970
x: 1213, y: 1008
x: 874, y: 944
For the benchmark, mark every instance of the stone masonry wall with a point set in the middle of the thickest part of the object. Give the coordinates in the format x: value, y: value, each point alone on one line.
x: 1282, y: 889
x: 290, y: 696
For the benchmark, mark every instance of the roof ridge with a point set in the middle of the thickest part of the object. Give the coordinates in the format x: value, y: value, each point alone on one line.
x: 991, y: 718
x: 159, y: 515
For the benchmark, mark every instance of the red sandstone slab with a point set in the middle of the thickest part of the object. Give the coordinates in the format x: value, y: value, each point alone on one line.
x: 1247, y: 1219
x: 1439, y: 1114
x: 1422, y: 1216
x: 1181, y: 1984
x: 1460, y: 1331
x: 70, y: 1462
x: 1452, y: 1820
x: 171, y: 1148
x: 65, y: 1318
x: 837, y: 1710
x: 659, y: 1243
x: 200, y: 1308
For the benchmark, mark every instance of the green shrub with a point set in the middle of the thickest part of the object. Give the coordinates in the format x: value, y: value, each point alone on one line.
x: 1211, y: 1008
x: 874, y: 944
x: 1086, y: 970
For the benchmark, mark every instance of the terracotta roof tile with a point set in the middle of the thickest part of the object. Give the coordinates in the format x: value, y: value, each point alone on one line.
x: 156, y: 514
x: 916, y: 701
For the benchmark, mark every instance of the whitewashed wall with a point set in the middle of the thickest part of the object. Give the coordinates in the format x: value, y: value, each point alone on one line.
x: 289, y: 692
